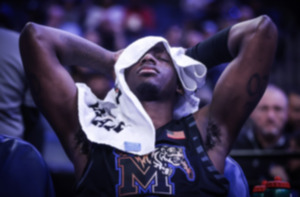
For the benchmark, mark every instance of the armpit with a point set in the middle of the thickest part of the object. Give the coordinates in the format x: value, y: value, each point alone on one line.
x: 82, y: 142
x: 213, y: 134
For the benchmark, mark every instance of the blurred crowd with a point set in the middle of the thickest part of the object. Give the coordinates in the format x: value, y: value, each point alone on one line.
x: 113, y: 24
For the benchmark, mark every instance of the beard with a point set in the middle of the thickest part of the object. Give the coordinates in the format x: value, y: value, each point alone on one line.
x: 147, y: 92
x: 271, y: 135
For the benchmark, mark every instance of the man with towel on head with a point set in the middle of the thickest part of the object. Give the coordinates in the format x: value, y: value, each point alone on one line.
x: 148, y: 137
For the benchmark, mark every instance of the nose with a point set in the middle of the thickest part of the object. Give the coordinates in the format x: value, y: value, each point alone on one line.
x: 271, y: 114
x: 148, y: 57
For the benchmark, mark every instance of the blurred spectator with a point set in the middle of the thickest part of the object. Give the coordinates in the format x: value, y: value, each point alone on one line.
x: 293, y: 164
x: 19, y: 116
x: 55, y: 15
x: 174, y: 35
x: 234, y: 12
x: 139, y: 20
x: 209, y: 28
x: 246, y: 12
x: 106, y: 18
x: 14, y: 89
x: 113, y: 37
x: 72, y: 17
x: 194, y: 9
x: 23, y: 170
x: 64, y: 16
x: 105, y: 10
x: 293, y: 124
x: 192, y: 37
x: 265, y: 132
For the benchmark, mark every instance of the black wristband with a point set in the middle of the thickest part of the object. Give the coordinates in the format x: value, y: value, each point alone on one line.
x: 213, y: 51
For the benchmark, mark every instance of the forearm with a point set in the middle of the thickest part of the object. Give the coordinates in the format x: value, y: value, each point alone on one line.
x: 213, y: 51
x: 224, y: 46
x: 69, y: 49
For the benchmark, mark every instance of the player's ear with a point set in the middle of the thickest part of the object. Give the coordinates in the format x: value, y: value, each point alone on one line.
x: 179, y: 89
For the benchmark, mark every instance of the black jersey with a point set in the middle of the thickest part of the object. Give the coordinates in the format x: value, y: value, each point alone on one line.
x: 179, y: 166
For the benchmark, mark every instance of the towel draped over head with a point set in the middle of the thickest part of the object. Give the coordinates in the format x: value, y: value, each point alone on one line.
x: 120, y: 120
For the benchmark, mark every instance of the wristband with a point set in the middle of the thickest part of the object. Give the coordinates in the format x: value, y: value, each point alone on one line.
x: 213, y: 51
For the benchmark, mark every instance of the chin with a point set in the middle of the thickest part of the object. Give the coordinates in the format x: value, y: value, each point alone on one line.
x: 147, y: 92
x: 271, y: 134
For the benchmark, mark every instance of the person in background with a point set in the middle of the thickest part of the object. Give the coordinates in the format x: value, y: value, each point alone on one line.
x: 293, y: 164
x: 13, y: 84
x: 19, y: 116
x: 293, y: 127
x: 23, y: 171
x: 293, y: 123
x: 265, y: 131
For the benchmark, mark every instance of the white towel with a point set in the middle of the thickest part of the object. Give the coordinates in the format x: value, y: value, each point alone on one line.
x: 120, y: 120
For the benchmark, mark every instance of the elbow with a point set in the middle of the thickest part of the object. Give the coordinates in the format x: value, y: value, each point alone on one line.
x: 28, y: 34
x: 27, y: 43
x: 27, y: 31
x: 267, y: 29
x: 257, y: 32
x: 265, y: 22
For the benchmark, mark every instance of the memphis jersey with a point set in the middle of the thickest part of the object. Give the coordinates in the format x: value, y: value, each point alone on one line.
x: 179, y: 166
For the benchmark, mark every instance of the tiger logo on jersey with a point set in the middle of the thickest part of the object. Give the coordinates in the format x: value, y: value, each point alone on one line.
x: 152, y: 173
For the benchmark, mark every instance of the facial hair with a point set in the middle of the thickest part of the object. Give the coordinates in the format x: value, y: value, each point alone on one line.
x: 270, y: 136
x: 147, y: 92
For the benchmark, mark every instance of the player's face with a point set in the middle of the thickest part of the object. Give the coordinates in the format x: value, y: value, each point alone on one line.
x: 153, y: 77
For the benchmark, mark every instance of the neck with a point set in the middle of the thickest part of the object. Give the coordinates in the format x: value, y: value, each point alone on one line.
x: 160, y: 112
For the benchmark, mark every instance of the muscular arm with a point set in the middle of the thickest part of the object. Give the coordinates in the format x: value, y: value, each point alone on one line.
x: 44, y: 52
x: 252, y: 44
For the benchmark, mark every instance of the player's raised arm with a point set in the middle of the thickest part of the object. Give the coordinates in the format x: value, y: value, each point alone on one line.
x: 252, y: 45
x: 45, y: 51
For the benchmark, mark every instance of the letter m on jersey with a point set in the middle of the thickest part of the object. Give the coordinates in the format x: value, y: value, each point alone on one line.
x: 138, y: 176
x: 150, y: 173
